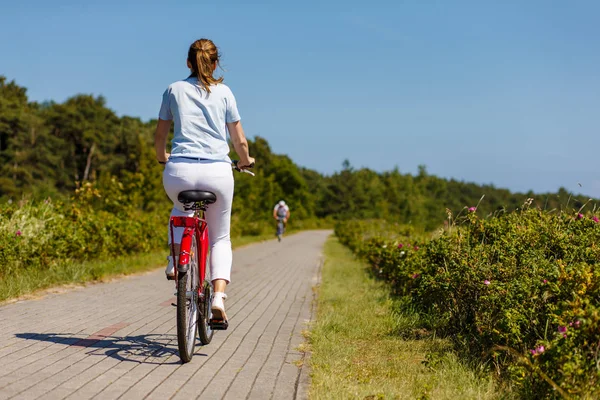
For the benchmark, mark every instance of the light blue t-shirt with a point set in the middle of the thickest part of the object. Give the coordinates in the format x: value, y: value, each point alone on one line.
x: 200, y: 119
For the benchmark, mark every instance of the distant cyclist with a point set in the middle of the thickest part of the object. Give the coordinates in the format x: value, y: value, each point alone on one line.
x: 203, y: 110
x: 281, y: 212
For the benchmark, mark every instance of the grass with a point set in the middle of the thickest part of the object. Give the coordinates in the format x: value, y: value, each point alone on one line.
x: 32, y: 281
x: 364, y: 347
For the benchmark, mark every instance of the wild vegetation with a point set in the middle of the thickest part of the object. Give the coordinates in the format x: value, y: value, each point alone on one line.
x: 519, y: 291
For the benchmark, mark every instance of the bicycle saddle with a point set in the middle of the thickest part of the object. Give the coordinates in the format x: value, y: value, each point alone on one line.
x: 196, y: 196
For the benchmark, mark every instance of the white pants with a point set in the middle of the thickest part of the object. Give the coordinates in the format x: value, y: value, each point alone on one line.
x: 214, y: 176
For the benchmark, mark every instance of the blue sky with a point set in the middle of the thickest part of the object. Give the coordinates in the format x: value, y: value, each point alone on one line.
x: 502, y: 92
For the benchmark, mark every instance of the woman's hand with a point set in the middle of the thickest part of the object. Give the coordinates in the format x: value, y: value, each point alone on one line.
x: 246, y: 163
x: 163, y: 160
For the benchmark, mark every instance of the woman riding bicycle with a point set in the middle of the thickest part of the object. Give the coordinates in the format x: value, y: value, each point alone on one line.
x: 203, y: 110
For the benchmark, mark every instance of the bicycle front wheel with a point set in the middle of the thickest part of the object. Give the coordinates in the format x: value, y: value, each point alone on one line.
x: 187, y: 306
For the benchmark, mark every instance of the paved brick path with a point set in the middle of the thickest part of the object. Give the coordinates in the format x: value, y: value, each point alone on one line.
x: 118, y: 340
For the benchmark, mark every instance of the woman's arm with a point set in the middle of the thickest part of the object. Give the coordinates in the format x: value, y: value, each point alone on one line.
x: 240, y: 144
x: 160, y: 140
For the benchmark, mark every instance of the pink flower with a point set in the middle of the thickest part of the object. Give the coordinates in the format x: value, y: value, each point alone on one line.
x: 545, y: 280
x: 595, y: 219
x: 400, y: 245
x: 18, y: 233
x: 472, y: 209
x: 562, y: 329
x: 486, y: 282
x: 416, y: 247
x: 579, y: 216
x: 415, y: 276
x: 540, y: 349
x: 577, y: 323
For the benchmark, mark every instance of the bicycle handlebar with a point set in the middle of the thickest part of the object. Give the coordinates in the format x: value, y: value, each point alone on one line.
x: 234, y: 164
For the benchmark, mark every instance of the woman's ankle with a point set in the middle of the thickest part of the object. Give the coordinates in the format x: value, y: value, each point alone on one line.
x: 219, y: 285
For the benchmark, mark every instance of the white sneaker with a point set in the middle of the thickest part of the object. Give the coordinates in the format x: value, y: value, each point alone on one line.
x: 218, y: 306
x: 170, y: 270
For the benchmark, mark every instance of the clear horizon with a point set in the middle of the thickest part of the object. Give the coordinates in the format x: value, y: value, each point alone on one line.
x: 502, y: 94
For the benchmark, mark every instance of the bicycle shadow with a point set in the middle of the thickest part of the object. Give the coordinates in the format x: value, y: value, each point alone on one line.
x: 141, y: 349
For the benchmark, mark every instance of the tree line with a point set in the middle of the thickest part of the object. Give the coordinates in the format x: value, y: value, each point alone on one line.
x: 50, y: 149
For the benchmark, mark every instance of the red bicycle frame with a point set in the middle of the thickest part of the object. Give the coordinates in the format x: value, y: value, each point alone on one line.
x: 192, y: 226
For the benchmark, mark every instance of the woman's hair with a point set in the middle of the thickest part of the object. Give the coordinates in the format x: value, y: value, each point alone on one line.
x: 202, y: 56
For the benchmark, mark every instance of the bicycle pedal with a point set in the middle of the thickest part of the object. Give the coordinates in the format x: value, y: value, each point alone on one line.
x: 219, y: 324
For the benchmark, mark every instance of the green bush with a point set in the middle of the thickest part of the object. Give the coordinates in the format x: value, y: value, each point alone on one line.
x: 43, y: 234
x: 520, y: 291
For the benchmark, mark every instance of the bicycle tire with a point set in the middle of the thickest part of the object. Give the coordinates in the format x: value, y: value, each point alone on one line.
x: 205, y: 332
x: 187, y: 308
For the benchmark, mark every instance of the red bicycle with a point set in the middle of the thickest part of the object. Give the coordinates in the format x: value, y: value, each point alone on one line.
x: 192, y: 277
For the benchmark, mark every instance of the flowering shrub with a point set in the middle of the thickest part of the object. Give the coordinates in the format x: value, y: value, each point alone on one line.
x: 41, y: 235
x: 521, y: 291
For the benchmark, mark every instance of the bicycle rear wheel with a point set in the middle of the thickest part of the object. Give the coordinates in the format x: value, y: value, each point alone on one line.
x: 187, y: 306
x: 205, y: 331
